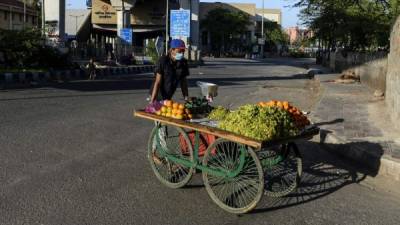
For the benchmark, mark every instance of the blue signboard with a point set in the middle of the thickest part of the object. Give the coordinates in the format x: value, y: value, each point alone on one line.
x: 126, y: 35
x: 89, y: 3
x: 180, y: 23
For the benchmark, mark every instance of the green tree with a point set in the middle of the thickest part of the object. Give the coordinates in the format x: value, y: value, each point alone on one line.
x: 226, y: 28
x: 275, y: 36
x: 25, y: 49
x: 352, y: 24
x: 151, y: 51
x: 20, y: 47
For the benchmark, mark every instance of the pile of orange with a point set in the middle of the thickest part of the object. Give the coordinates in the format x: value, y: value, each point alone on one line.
x: 299, y: 118
x: 174, y: 110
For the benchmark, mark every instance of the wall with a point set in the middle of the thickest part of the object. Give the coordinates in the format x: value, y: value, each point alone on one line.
x: 269, y: 14
x: 341, y: 60
x: 393, y: 76
x: 373, y: 73
x: 370, y: 67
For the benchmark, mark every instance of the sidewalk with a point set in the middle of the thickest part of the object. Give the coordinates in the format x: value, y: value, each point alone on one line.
x: 358, y: 126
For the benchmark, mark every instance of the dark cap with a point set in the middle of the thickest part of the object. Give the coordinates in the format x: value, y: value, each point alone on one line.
x: 177, y: 43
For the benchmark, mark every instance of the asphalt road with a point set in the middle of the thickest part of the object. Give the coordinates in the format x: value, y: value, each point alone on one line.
x: 73, y: 154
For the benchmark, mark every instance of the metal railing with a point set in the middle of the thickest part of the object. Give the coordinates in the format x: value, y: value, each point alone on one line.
x: 85, y: 51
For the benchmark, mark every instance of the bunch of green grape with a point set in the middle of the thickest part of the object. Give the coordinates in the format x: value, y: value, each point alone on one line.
x: 260, y: 123
x: 218, y: 113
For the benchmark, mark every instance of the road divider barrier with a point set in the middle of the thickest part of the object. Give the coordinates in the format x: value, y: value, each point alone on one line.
x: 35, y: 78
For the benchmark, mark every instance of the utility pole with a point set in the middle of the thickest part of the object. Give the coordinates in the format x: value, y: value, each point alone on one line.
x: 123, y: 44
x: 24, y: 24
x: 38, y: 13
x: 76, y: 22
x: 43, y: 19
x: 190, y: 32
x: 11, y: 18
x: 262, y: 31
x: 123, y: 14
x: 166, y: 28
x: 123, y: 23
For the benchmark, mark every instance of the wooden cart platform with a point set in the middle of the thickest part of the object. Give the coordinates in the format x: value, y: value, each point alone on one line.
x: 257, y: 145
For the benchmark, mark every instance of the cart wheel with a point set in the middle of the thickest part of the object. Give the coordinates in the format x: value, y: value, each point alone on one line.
x: 170, y: 139
x: 283, y: 178
x: 241, y: 193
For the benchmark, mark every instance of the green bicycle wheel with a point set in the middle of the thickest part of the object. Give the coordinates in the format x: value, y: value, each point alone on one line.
x: 284, y: 177
x: 241, y: 193
x: 168, y: 140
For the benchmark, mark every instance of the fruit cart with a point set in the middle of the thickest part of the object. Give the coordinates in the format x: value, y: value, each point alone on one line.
x: 236, y: 170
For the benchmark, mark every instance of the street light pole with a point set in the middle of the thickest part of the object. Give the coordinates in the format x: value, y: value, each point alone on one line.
x: 11, y: 18
x: 76, y: 23
x: 123, y: 14
x: 190, y: 32
x: 43, y: 19
x: 123, y: 26
x: 166, y: 28
x: 24, y: 14
x: 262, y: 31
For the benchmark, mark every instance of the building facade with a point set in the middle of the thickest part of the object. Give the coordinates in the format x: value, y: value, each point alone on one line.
x: 103, y: 19
x: 274, y: 15
x: 297, y: 34
x: 255, y: 19
x: 147, y: 18
x: 247, y: 37
x: 54, y: 11
x: 14, y: 16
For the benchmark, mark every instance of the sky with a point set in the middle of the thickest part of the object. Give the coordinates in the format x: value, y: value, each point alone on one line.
x: 289, y: 15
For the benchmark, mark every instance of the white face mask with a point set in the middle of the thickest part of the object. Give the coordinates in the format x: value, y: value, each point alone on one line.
x: 178, y: 56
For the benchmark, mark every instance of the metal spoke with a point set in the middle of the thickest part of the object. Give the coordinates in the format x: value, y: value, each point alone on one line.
x: 282, y: 179
x: 242, y: 192
x: 170, y: 140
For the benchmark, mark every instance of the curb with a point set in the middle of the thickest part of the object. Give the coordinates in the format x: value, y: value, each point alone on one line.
x: 384, y: 165
x: 10, y: 80
x: 368, y: 155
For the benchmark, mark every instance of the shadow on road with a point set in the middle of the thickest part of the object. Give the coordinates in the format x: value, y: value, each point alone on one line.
x: 322, y: 175
x: 300, y: 63
x: 141, y: 82
x: 225, y: 81
x: 341, y: 120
